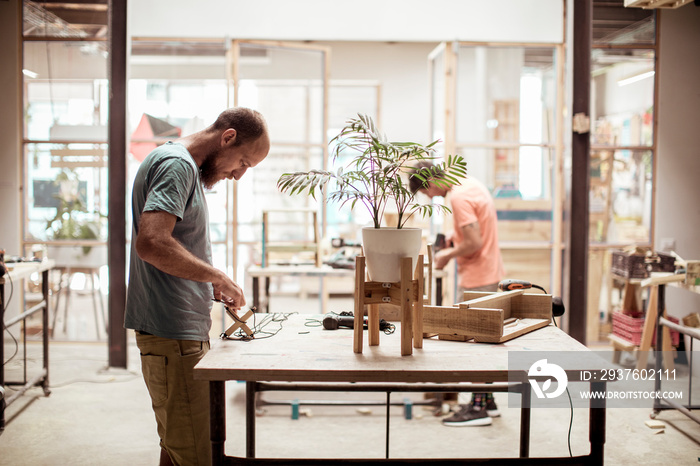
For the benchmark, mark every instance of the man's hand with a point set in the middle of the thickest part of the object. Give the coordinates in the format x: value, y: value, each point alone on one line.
x: 228, y: 291
x: 470, y: 244
x: 156, y: 245
x: 442, y: 257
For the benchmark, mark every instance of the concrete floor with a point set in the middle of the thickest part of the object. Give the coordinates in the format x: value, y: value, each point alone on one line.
x: 98, y: 415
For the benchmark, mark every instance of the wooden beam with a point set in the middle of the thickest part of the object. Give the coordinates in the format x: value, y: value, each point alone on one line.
x: 578, y: 257
x: 117, y: 186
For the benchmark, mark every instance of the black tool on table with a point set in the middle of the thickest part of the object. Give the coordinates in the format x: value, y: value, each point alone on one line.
x: 347, y: 320
x: 510, y: 284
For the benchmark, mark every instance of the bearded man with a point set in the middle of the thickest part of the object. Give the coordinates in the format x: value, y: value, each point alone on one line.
x: 171, y: 277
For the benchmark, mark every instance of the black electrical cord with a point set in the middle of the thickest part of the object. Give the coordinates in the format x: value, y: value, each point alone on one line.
x: 539, y: 288
x: 571, y: 403
x: 571, y: 420
x: 258, y: 328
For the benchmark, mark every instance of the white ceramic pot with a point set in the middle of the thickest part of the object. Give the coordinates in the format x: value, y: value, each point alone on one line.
x: 385, y: 247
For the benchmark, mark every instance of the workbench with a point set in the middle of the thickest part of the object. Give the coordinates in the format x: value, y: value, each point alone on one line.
x: 300, y: 358
x: 17, y: 272
x: 661, y: 280
x: 322, y: 273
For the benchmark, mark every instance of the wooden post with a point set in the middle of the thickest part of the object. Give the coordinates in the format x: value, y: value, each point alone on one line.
x: 373, y: 324
x: 418, y: 306
x: 580, y: 172
x: 648, y: 331
x: 359, y: 302
x: 406, y: 308
x: 117, y: 138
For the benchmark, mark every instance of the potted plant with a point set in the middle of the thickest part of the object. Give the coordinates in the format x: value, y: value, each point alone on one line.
x: 375, y: 177
x: 73, y: 222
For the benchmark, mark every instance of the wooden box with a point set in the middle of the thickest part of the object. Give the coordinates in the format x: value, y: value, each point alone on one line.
x: 489, y: 317
x: 639, y: 265
x: 692, y: 273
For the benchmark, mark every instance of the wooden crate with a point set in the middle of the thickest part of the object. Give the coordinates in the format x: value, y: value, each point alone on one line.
x: 639, y: 265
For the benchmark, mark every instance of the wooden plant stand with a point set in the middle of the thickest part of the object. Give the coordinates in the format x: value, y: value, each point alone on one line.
x: 407, y: 294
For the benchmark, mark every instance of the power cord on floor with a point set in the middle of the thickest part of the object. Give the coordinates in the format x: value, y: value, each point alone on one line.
x: 112, y: 379
x: 571, y: 419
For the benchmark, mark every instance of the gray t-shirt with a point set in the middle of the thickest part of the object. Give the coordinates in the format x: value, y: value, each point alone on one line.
x: 159, y: 303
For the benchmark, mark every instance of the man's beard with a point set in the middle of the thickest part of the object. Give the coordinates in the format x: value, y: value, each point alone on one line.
x: 208, y: 172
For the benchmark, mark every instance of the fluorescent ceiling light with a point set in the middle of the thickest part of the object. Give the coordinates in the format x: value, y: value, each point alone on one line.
x: 29, y: 73
x: 635, y: 78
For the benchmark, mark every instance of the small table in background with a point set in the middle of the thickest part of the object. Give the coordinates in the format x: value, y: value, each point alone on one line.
x: 17, y: 272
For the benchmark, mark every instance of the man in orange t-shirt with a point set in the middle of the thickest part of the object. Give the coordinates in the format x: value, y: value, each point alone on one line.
x: 474, y: 245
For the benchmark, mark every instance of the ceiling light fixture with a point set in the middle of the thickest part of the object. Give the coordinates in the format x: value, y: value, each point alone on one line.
x: 30, y: 73
x: 635, y: 78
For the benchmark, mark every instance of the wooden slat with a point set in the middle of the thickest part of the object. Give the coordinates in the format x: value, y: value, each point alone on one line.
x: 418, y: 305
x: 532, y: 306
x: 359, y: 308
x: 486, y: 323
x: 524, y: 230
x: 374, y: 292
x: 406, y: 307
x: 521, y: 204
x: 373, y: 324
x: 444, y: 320
x: 78, y: 164
x: 522, y: 327
x: 494, y: 300
x: 87, y: 152
x: 469, y: 295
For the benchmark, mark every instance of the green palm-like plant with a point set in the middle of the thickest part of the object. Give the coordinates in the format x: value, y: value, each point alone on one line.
x: 66, y: 224
x: 373, y: 177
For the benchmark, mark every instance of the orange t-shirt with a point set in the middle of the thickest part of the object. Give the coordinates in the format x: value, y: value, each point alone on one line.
x: 471, y: 202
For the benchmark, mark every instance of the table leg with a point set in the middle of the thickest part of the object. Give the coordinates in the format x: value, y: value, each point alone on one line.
x: 217, y: 422
x: 250, y: 419
x: 596, y: 424
x: 45, y: 325
x: 525, y: 412
x: 2, y: 356
x: 256, y: 293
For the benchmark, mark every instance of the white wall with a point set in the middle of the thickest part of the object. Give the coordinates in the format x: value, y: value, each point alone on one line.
x: 371, y: 20
x: 402, y: 71
x: 678, y: 166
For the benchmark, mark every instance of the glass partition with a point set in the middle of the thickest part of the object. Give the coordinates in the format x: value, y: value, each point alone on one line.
x: 65, y: 143
x: 622, y: 145
x: 288, y: 84
x: 498, y: 105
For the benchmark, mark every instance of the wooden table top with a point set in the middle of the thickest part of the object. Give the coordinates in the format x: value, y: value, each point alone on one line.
x: 20, y: 270
x: 301, y: 353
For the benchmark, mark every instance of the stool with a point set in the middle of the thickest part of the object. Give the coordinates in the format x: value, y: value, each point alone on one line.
x: 95, y: 291
x: 407, y: 294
